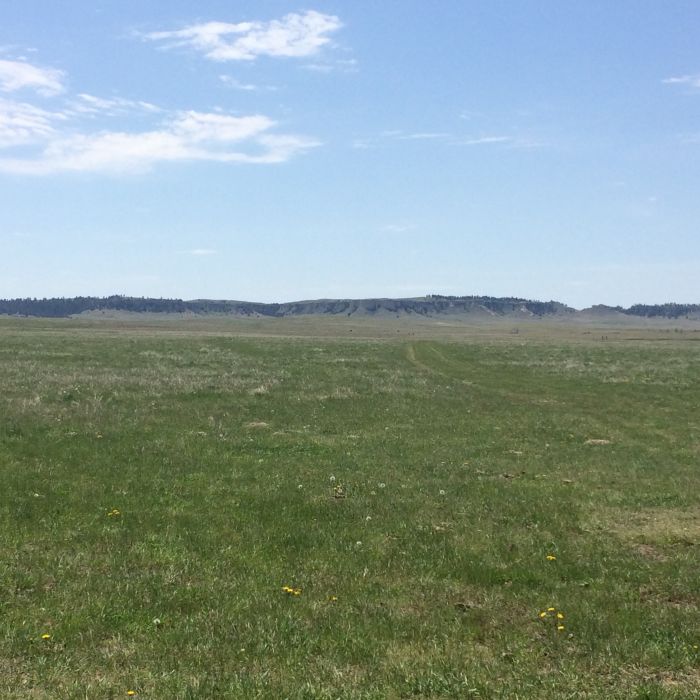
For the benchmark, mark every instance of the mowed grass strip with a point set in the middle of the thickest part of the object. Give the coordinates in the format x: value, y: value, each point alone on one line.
x: 209, y: 516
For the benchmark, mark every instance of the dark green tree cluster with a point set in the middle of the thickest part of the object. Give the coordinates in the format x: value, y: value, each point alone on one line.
x: 69, y: 306
x: 670, y: 310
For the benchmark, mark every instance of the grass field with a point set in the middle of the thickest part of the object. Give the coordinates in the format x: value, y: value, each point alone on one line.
x: 424, y: 494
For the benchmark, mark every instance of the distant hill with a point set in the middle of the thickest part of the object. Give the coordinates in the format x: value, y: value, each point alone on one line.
x: 431, y: 305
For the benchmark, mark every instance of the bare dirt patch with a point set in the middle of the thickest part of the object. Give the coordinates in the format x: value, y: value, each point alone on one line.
x: 648, y: 551
x: 651, y: 530
x: 256, y: 424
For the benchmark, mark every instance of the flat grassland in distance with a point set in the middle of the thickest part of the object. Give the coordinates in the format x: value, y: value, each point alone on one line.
x: 433, y: 496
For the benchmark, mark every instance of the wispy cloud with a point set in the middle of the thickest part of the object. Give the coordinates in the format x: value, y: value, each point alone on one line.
x: 690, y: 138
x: 451, y: 139
x: 445, y: 138
x: 109, y: 106
x: 345, y: 65
x: 398, y: 228
x: 482, y: 140
x: 200, y: 252
x: 187, y: 136
x: 17, y: 75
x: 295, y: 35
x: 362, y: 144
x: 39, y: 141
x: 236, y: 84
x: 22, y: 123
x: 692, y: 81
x: 422, y: 136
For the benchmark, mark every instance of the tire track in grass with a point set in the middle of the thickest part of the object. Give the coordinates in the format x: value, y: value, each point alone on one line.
x: 428, y: 357
x: 413, y: 359
x: 419, y: 360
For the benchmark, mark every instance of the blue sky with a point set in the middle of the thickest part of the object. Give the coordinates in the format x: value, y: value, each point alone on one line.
x: 272, y: 151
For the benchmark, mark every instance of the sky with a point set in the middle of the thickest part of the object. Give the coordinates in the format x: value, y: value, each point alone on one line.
x: 272, y: 151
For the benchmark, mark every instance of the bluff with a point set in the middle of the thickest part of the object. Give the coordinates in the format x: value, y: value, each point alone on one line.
x: 428, y: 306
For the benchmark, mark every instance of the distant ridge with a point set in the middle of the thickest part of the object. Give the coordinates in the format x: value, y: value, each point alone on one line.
x: 430, y: 305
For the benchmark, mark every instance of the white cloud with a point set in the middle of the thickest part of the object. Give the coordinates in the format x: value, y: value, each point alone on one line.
x: 56, y: 141
x: 348, y: 65
x: 398, y: 228
x: 443, y: 137
x: 188, y: 136
x: 197, y: 127
x: 423, y: 135
x: 22, y: 123
x: 295, y: 35
x: 232, y: 82
x: 692, y: 81
x: 16, y: 75
x: 109, y: 106
x: 481, y: 140
x: 201, y: 251
x: 362, y: 144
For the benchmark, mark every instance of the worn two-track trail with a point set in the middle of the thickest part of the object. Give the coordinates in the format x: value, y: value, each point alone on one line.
x: 455, y: 364
x: 429, y: 357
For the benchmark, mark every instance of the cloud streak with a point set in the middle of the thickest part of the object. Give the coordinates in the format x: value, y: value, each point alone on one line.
x: 295, y: 35
x: 188, y: 136
x: 236, y: 84
x: 483, y: 140
x: 18, y: 75
x: 692, y: 81
x: 445, y: 139
x: 109, y: 106
x: 201, y: 252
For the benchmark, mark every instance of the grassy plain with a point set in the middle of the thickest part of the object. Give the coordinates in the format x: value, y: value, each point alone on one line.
x: 161, y: 482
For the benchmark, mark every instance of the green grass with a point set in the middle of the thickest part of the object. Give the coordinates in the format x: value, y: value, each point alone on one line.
x: 464, y: 462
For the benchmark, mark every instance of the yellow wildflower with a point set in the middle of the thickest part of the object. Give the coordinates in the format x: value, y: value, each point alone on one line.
x: 560, y: 627
x: 130, y: 692
x: 46, y: 636
x: 333, y: 598
x: 543, y: 614
x: 551, y: 557
x: 560, y: 616
x: 551, y: 609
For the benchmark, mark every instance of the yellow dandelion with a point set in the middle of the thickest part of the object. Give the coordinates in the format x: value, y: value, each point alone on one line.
x: 551, y: 557
x: 46, y: 636
x: 560, y: 627
x: 551, y: 609
x: 543, y: 613
x: 130, y: 692
x: 333, y: 598
x: 560, y: 616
